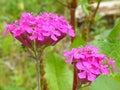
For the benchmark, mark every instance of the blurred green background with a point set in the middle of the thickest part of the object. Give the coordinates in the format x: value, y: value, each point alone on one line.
x: 18, y: 72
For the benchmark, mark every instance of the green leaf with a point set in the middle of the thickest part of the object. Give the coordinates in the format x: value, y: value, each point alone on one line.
x: 58, y: 76
x: 115, y: 31
x: 77, y: 42
x: 103, y: 35
x: 105, y: 83
x: 85, y: 4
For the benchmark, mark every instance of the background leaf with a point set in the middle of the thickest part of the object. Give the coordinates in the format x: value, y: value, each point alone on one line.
x: 77, y: 42
x: 85, y: 4
x: 14, y: 88
x: 104, y: 82
x: 114, y: 34
x: 58, y: 76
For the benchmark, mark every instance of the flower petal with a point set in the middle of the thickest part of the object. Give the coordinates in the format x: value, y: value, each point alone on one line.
x: 114, y: 68
x: 91, y: 77
x: 54, y: 38
x: 57, y: 33
x: 82, y: 75
x: 78, y: 56
x: 69, y: 59
x: 105, y: 71
x: 87, y: 64
x: 80, y: 66
x: 71, y: 33
x: 67, y: 53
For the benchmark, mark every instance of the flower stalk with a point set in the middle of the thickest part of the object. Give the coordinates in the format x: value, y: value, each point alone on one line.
x: 72, y: 15
x: 73, y: 24
x: 38, y: 71
x: 75, y: 78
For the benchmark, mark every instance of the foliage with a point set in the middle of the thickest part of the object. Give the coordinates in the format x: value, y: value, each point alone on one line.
x: 114, y: 34
x: 105, y: 83
x: 17, y: 72
x: 84, y: 4
x: 77, y: 42
x: 58, y: 76
x: 11, y: 10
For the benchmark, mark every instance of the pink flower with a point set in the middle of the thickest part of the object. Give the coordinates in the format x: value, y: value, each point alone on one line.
x: 89, y: 62
x: 86, y: 71
x: 42, y: 30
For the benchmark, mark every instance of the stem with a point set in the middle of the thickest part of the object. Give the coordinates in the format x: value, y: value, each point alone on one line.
x: 73, y: 6
x: 94, y: 14
x: 91, y: 19
x: 98, y: 4
x: 38, y: 71
x: 75, y: 78
x: 72, y: 15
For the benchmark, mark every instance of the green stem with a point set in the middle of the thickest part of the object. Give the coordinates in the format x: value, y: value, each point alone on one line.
x: 38, y: 71
x: 92, y: 18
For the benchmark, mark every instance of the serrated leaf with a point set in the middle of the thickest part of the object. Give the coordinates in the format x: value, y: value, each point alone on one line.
x: 58, y: 76
x: 105, y: 83
x: 77, y: 42
x: 114, y: 34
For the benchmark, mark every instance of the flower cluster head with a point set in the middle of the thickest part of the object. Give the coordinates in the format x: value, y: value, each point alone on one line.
x: 89, y: 62
x: 41, y: 30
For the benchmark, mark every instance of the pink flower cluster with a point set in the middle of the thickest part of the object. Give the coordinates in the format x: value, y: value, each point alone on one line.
x: 89, y: 62
x: 44, y: 29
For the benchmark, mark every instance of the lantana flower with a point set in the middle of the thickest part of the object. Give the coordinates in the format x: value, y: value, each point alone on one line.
x: 41, y: 30
x: 89, y: 62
